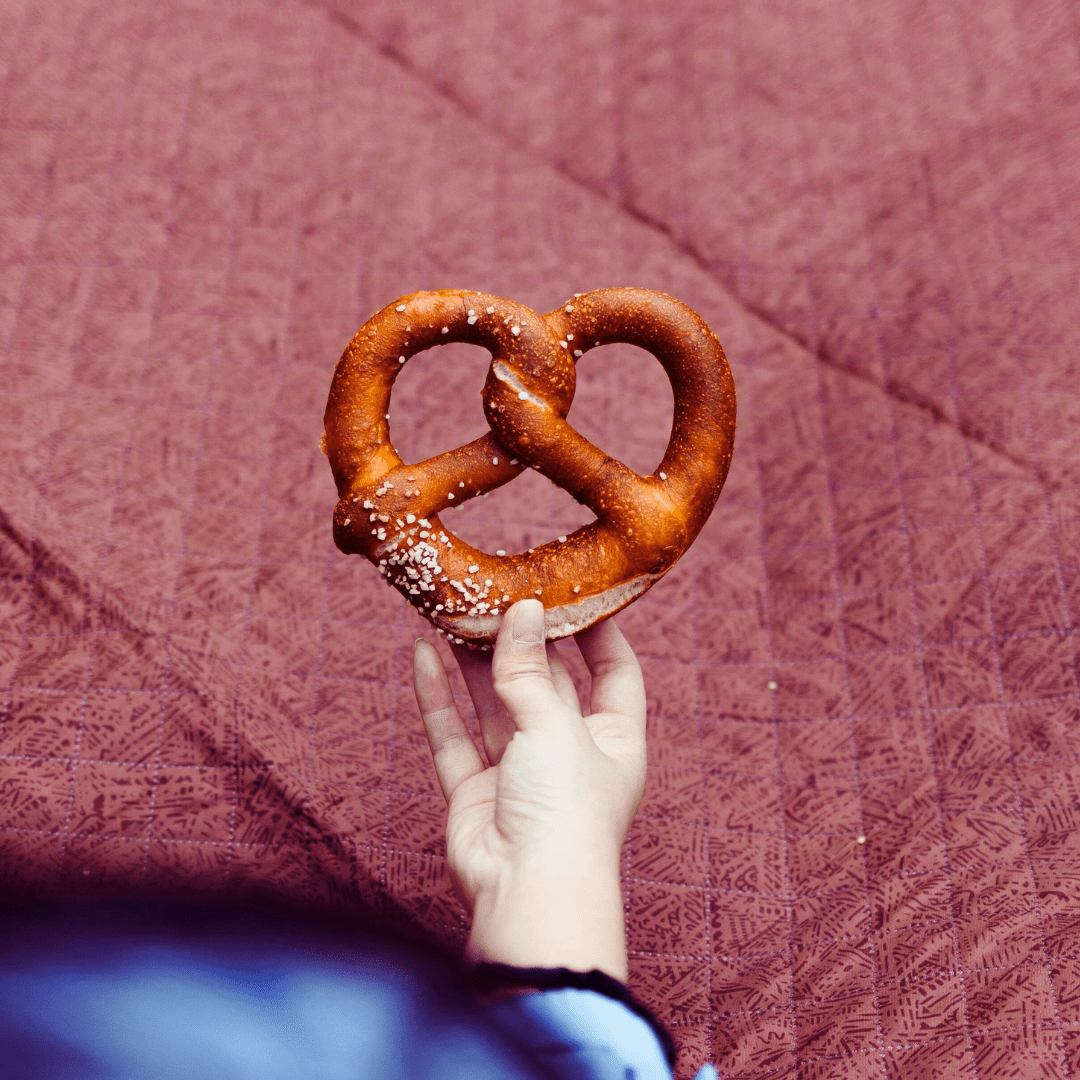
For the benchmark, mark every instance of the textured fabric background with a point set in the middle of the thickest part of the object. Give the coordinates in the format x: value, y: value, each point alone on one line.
x: 858, y: 854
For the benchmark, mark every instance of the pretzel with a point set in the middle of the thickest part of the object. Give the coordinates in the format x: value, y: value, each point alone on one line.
x: 388, y: 511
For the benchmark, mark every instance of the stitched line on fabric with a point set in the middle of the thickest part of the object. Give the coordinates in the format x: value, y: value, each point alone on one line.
x: 654, y: 716
x: 223, y: 768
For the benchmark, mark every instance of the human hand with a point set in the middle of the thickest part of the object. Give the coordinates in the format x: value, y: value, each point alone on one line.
x: 534, y: 837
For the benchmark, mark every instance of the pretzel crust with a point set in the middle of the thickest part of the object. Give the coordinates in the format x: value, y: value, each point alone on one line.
x: 388, y: 511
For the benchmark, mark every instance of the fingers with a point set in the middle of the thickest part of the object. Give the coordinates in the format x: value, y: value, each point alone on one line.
x: 496, y: 726
x: 455, y: 756
x: 520, y: 670
x: 560, y: 675
x: 617, y: 684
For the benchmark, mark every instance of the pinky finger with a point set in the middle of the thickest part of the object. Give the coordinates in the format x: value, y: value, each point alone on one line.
x: 456, y: 757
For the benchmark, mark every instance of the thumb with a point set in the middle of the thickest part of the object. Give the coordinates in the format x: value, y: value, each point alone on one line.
x: 520, y: 672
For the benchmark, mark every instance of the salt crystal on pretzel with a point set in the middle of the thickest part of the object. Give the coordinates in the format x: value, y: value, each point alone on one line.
x: 643, y: 523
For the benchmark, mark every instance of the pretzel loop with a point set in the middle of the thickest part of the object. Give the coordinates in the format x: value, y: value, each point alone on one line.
x: 388, y: 511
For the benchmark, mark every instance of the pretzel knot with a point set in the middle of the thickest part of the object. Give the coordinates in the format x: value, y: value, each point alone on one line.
x: 389, y: 511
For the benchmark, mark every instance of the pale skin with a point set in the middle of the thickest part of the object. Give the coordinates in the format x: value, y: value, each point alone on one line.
x: 534, y: 833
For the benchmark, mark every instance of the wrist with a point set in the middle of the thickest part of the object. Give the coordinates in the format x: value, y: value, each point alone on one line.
x: 553, y: 913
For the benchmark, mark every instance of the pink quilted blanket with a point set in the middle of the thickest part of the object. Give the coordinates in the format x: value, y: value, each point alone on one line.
x: 858, y: 854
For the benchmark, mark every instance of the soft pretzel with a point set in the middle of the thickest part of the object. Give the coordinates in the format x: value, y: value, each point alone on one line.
x: 389, y: 511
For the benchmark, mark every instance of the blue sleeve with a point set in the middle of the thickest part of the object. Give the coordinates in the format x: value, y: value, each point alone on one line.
x: 584, y: 1035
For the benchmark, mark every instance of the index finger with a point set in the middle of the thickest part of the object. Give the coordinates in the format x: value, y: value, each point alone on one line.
x: 496, y: 726
x: 452, y: 750
x: 617, y: 683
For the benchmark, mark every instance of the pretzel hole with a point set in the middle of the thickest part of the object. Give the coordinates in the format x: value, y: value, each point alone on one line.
x: 435, y: 405
x: 527, y: 512
x: 624, y: 405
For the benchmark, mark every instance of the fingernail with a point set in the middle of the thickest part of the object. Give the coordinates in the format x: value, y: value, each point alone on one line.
x: 528, y: 628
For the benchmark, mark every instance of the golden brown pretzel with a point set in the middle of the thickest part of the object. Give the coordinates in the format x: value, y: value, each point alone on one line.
x: 388, y: 510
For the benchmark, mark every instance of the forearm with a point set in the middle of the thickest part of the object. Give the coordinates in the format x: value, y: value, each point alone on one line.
x: 555, y: 912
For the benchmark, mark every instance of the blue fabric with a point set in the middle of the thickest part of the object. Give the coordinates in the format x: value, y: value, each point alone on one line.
x: 111, y: 995
x: 585, y: 1035
x: 165, y: 1014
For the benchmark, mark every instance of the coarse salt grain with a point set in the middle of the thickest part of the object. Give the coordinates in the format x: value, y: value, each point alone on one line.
x: 577, y: 588
x: 474, y: 569
x: 347, y: 521
x: 515, y: 330
x: 400, y: 307
x: 494, y: 461
x: 410, y: 518
x: 500, y: 552
x: 446, y: 329
x: 523, y: 396
x: 450, y: 495
x: 663, y: 476
x: 400, y: 360
x: 490, y: 310
x: 562, y: 539
x: 577, y: 352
